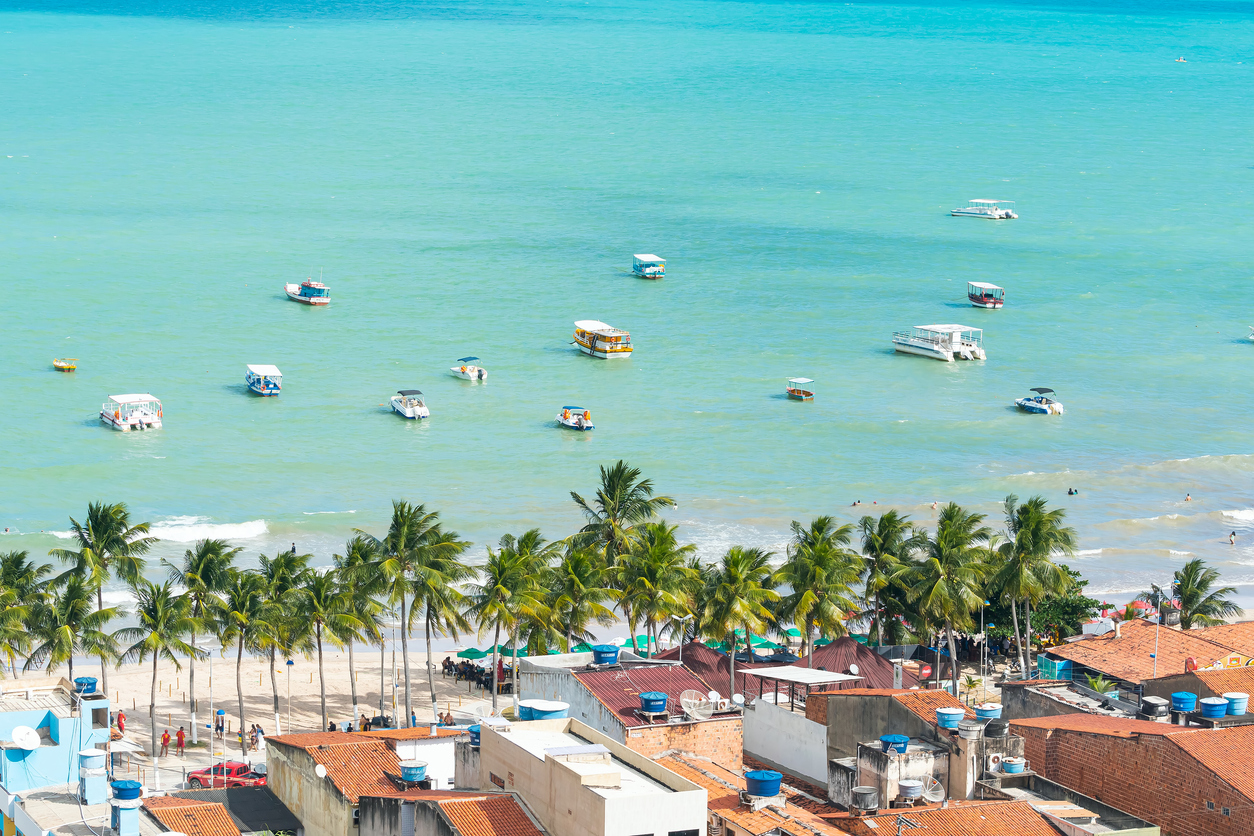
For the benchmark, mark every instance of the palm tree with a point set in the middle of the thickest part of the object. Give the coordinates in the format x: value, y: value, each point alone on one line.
x: 241, y: 617
x: 164, y: 620
x: 623, y: 501
x: 1027, y: 572
x: 821, y: 572
x: 65, y: 625
x: 947, y: 583
x: 578, y: 593
x: 107, y: 545
x: 364, y: 586
x: 22, y: 586
x: 326, y: 605
x: 888, y: 544
x: 203, y: 575
x: 508, y: 592
x: 437, y: 573
x: 414, y: 542
x: 1200, y: 605
x: 282, y: 577
x: 738, y: 595
x: 655, y: 576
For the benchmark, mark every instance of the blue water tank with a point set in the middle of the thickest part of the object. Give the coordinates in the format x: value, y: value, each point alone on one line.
x: 1183, y: 701
x: 763, y: 782
x: 894, y: 742
x: 127, y: 790
x: 549, y: 709
x: 413, y: 770
x: 474, y: 734
x: 653, y: 701
x: 1214, y: 707
x: 604, y: 654
x: 85, y: 684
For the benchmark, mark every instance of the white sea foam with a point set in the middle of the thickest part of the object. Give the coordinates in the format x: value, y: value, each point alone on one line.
x: 319, y: 513
x: 1242, y: 514
x: 1085, y: 552
x: 190, y: 529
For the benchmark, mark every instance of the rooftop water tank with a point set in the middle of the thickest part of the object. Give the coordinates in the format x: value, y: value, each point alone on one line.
x: 910, y: 788
x: 604, y: 654
x: 763, y: 782
x: 1183, y: 701
x: 652, y: 701
x: 92, y: 758
x: 947, y: 718
x: 1214, y: 707
x: 127, y: 790
x: 970, y: 729
x: 85, y: 684
x: 1238, y: 702
x: 997, y: 728
x: 866, y: 798
x: 549, y: 709
x: 525, y: 710
x: 474, y: 734
x: 988, y: 710
x: 413, y: 770
x: 894, y: 742
x: 1013, y: 766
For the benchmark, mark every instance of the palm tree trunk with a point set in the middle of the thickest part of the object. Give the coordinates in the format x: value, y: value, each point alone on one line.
x: 570, y: 636
x: 806, y: 647
x: 383, y: 643
x: 1014, y: 617
x: 191, y: 691
x: 322, y: 677
x: 274, y: 688
x: 731, y: 666
x: 878, y: 622
x: 513, y: 676
x: 104, y: 669
x: 352, y: 681
x: 496, y: 646
x: 409, y: 702
x: 1027, y: 638
x: 953, y: 655
x: 431, y: 668
x: 239, y: 690
x: 152, y: 711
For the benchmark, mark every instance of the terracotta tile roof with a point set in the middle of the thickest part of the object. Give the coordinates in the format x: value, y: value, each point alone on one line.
x: 304, y: 740
x: 993, y: 819
x: 619, y: 690
x: 918, y: 701
x: 1228, y: 679
x: 499, y: 815
x: 1102, y: 724
x: 1225, y: 752
x: 1129, y: 657
x: 195, y: 818
x: 794, y: 786
x: 356, y: 768
x: 417, y: 732
x: 1238, y: 636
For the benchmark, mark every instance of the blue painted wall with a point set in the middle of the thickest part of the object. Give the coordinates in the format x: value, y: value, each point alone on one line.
x: 56, y: 760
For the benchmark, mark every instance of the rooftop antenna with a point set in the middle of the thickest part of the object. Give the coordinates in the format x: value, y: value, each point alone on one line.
x: 902, y: 821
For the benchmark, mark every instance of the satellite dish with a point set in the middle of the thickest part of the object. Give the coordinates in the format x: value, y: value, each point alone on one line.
x: 25, y: 737
x: 933, y: 790
x: 320, y: 771
x: 714, y: 696
x: 853, y: 669
x: 696, y: 705
x: 738, y: 699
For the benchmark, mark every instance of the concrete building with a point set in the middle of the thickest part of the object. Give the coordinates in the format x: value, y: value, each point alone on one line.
x: 607, y: 698
x: 190, y: 816
x: 445, y: 813
x: 1213, y: 683
x: 1070, y: 812
x: 58, y: 811
x: 580, y: 782
x: 64, y: 723
x: 1186, y: 780
x: 1030, y: 698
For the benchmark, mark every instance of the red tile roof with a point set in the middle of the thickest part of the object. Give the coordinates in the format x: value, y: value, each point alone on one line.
x: 619, y: 689
x: 498, y: 815
x: 1131, y: 656
x: 1228, y: 679
x: 355, y: 763
x: 417, y: 732
x: 1102, y: 724
x: 993, y: 819
x: 195, y: 818
x: 1226, y: 752
x: 1238, y: 636
x: 304, y: 740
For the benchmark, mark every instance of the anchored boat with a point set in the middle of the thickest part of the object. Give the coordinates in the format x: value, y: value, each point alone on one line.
x: 796, y: 389
x: 942, y: 342
x: 308, y: 292
x: 1041, y: 404
x: 408, y: 403
x: 132, y: 412
x: 65, y: 364
x: 992, y: 210
x: 467, y: 372
x: 596, y: 339
x: 575, y: 418
x: 264, y: 380
x: 985, y: 295
x: 648, y: 266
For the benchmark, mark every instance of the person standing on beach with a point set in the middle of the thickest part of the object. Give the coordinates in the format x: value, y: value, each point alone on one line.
x: 180, y: 741
x: 165, y: 743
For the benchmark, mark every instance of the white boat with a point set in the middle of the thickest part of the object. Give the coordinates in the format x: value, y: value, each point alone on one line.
x: 132, y: 412
x: 468, y: 372
x: 993, y: 210
x: 264, y: 379
x: 408, y: 403
x: 648, y: 266
x: 575, y: 418
x: 942, y: 342
x: 796, y: 389
x: 1041, y: 404
x: 1252, y: 333
x: 308, y: 292
x: 596, y: 339
x: 985, y: 295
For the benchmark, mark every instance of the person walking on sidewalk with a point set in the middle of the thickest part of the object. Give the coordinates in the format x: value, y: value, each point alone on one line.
x: 165, y: 743
x: 180, y: 742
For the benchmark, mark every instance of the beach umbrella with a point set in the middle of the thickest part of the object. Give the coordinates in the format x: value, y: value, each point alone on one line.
x: 641, y: 641
x: 822, y: 642
x: 472, y: 653
x: 715, y: 645
x: 859, y: 638
x: 582, y: 647
x: 765, y: 642
x: 794, y: 632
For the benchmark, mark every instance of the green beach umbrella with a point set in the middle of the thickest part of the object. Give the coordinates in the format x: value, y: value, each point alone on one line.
x: 859, y: 638
x: 822, y: 642
x: 794, y: 632
x: 715, y: 645
x: 472, y: 653
x: 641, y: 641
x: 582, y: 647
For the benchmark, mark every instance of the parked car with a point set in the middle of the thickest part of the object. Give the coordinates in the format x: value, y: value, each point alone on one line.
x: 229, y: 774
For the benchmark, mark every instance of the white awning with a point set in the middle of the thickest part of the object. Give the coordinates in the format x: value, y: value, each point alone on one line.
x: 131, y: 398
x: 649, y: 257
x: 800, y: 380
x: 597, y: 326
x: 985, y: 286
x: 799, y: 675
x: 948, y: 329
x: 269, y: 371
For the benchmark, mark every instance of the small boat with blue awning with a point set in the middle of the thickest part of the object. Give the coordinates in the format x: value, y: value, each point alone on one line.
x: 468, y: 372
x: 408, y: 403
x: 264, y: 379
x: 575, y: 418
x: 308, y: 292
x: 1041, y: 404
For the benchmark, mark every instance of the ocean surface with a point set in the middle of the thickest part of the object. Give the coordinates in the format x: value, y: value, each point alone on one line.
x: 472, y: 177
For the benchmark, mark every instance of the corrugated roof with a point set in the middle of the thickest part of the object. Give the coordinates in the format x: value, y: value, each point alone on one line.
x: 875, y: 670
x: 195, y: 818
x: 1131, y: 656
x: 498, y: 815
x: 712, y: 667
x: 619, y: 689
x: 993, y: 819
x: 1103, y: 724
x: 1226, y: 752
x: 1228, y: 679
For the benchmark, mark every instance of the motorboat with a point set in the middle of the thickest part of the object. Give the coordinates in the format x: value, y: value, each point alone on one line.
x: 128, y: 413
x: 308, y: 292
x: 993, y: 210
x: 65, y: 364
x: 596, y: 339
x: 264, y: 379
x: 1041, y: 403
x: 985, y: 295
x: 1252, y: 333
x: 648, y: 266
x: 942, y: 342
x: 796, y: 389
x: 575, y: 418
x: 468, y: 372
x: 408, y: 403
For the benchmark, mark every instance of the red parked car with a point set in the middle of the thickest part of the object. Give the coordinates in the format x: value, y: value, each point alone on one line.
x: 229, y: 774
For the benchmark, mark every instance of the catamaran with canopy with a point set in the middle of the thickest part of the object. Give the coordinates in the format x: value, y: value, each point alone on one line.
x: 942, y: 342
x: 132, y: 412
x: 992, y: 210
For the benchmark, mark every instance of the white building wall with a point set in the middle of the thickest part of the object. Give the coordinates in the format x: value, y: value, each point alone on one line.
x: 437, y: 752
x: 786, y: 739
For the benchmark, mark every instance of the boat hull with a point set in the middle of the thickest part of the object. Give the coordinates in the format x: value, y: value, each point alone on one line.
x: 800, y: 395
x: 985, y: 303
x: 1029, y: 405
x: 471, y: 373
x: 410, y: 413
x: 131, y: 423
x: 643, y: 275
x: 988, y: 216
x: 572, y: 424
x: 603, y: 354
x: 924, y: 351
x: 262, y: 390
x: 293, y: 293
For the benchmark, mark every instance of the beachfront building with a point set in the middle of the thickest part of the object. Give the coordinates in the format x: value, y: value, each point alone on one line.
x: 1212, y: 683
x: 607, y: 698
x: 580, y: 782
x: 64, y: 723
x: 446, y: 813
x: 251, y: 811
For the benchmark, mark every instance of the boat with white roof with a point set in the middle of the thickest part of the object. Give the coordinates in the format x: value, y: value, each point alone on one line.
x: 575, y: 418
x: 308, y: 292
x: 985, y: 295
x: 648, y: 266
x: 264, y: 379
x: 942, y: 342
x: 132, y: 412
x: 596, y: 339
x: 1041, y: 403
x: 469, y: 372
x: 796, y: 389
x: 992, y: 210
x: 408, y: 403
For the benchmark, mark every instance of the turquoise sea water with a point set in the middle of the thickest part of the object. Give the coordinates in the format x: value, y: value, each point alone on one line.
x: 473, y: 177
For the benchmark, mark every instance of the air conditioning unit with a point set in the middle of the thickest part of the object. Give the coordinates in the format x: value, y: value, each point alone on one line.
x: 994, y: 762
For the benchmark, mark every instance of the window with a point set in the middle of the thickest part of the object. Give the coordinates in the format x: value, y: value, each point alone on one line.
x: 682, y: 833
x: 356, y: 817
x: 1227, y: 812
x: 100, y: 718
x: 1210, y: 805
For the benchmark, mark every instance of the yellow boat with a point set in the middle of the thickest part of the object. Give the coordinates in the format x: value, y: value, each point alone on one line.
x: 65, y: 364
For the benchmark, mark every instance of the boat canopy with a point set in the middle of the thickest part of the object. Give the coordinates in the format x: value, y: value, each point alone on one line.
x: 131, y: 399
x: 593, y: 325
x: 649, y: 258
x: 800, y: 380
x: 1044, y: 391
x: 985, y: 286
x: 408, y: 392
x: 574, y: 408
x: 466, y: 359
x: 950, y: 329
x: 265, y: 370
